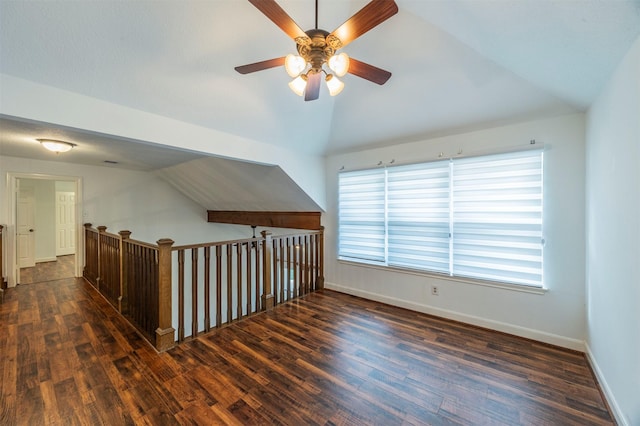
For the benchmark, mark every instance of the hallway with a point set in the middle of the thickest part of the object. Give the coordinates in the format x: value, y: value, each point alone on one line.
x: 61, y: 268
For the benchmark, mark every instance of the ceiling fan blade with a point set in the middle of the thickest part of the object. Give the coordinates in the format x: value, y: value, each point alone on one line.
x: 312, y: 91
x: 368, y: 72
x: 259, y: 66
x: 373, y: 14
x: 273, y: 11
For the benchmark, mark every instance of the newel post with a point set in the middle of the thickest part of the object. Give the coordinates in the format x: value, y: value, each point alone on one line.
x: 165, y: 334
x: 267, y: 255
x: 101, y: 230
x: 123, y: 306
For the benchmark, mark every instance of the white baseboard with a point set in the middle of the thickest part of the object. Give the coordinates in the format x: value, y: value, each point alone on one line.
x: 46, y: 259
x: 541, y: 336
x: 606, y: 390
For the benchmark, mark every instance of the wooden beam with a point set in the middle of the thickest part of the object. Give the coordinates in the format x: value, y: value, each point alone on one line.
x: 295, y: 220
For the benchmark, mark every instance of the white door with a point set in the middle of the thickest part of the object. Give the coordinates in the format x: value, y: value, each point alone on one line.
x: 25, y: 211
x: 65, y: 223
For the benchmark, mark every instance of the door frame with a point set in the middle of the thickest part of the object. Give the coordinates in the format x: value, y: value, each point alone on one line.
x: 13, y: 270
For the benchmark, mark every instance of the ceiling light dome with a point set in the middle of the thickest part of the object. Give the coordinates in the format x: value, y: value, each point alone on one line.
x: 334, y: 85
x: 339, y: 64
x: 294, y: 65
x: 56, y: 145
x: 298, y: 85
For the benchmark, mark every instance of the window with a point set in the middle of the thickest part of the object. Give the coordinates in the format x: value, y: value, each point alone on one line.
x: 477, y: 217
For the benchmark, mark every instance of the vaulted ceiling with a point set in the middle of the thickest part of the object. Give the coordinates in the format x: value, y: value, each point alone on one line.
x: 456, y: 64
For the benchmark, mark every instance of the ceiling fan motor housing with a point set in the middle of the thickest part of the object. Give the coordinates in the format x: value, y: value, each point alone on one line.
x: 317, y: 47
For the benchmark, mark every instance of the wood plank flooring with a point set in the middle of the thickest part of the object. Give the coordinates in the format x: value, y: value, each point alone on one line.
x: 66, y: 357
x: 62, y: 267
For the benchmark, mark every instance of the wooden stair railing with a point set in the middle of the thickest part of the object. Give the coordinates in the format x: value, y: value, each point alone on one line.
x: 135, y: 277
x: 223, y: 282
x: 229, y: 280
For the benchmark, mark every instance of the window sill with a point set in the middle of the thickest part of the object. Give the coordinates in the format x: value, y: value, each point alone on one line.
x: 464, y: 280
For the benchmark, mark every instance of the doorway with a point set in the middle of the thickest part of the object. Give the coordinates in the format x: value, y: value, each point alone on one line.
x: 46, y: 242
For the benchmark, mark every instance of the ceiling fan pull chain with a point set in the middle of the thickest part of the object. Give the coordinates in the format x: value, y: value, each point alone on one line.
x: 316, y: 14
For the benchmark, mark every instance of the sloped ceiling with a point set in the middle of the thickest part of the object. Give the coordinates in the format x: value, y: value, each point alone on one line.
x: 458, y: 65
x: 224, y: 184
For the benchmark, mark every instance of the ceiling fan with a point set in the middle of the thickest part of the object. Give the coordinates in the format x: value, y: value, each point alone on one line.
x: 318, y: 47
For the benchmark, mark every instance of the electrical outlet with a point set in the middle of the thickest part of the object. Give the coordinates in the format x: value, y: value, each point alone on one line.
x: 435, y: 290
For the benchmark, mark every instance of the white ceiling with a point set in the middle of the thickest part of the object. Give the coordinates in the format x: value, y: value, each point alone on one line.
x: 456, y: 64
x: 18, y: 139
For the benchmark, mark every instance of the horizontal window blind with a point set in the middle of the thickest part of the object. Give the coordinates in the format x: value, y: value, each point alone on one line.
x: 497, y: 217
x: 478, y: 217
x: 418, y: 216
x: 361, y: 215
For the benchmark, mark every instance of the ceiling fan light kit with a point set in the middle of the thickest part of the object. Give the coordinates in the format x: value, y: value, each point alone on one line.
x: 298, y: 84
x: 317, y: 48
x: 334, y: 85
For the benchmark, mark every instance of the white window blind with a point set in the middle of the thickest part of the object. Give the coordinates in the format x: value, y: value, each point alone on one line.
x: 361, y: 215
x: 497, y: 217
x: 418, y: 216
x: 477, y: 217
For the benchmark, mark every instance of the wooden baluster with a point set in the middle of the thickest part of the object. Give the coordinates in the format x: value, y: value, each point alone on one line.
x: 146, y: 301
x: 141, y: 286
x: 123, y: 298
x: 146, y: 285
x: 218, y: 286
x: 314, y: 272
x: 275, y: 269
x: 307, y: 261
x: 88, y: 254
x: 267, y: 254
x: 311, y: 266
x: 180, y: 295
x: 207, y: 288
x: 249, y: 250
x: 194, y: 292
x: 132, y: 295
x: 292, y: 268
x: 258, y: 277
x: 239, y: 280
x: 229, y: 286
x: 101, y: 230
x: 164, y: 333
x: 283, y: 278
x: 299, y: 275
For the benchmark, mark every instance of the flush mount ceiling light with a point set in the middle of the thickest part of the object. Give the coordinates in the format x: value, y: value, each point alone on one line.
x: 56, y: 145
x: 317, y: 48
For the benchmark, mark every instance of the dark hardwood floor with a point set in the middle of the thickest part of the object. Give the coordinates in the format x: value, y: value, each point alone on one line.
x: 66, y: 357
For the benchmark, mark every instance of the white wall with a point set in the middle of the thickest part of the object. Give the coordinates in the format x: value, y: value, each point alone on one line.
x: 65, y: 186
x: 558, y: 316
x: 613, y: 237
